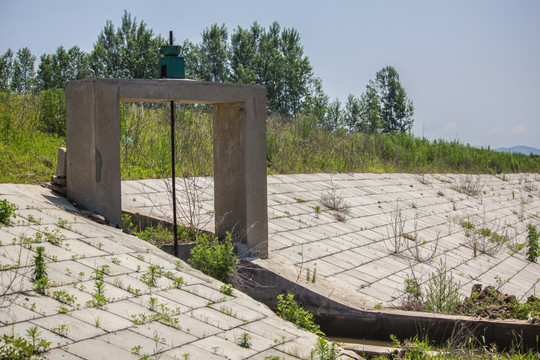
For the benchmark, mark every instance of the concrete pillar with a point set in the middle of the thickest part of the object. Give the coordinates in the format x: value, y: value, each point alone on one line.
x: 230, y: 169
x: 256, y: 186
x: 93, y: 143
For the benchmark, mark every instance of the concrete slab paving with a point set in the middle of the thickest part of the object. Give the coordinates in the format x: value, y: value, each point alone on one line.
x: 431, y: 207
x: 354, y: 263
x: 134, y: 319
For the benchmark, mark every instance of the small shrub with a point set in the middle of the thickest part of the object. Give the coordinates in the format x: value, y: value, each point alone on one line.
x: 154, y: 273
x: 41, y: 285
x: 288, y: 309
x: 64, y: 297
x: 7, y: 211
x: 324, y: 350
x: 127, y: 225
x: 213, y: 258
x: 532, y: 243
x: 413, y: 300
x: 244, y: 341
x: 470, y: 186
x: 412, y: 288
x: 157, y: 235
x: 14, y: 348
x: 413, y: 348
x: 39, y: 271
x: 178, y: 282
x: 334, y: 200
x: 226, y: 289
x: 99, y: 299
x: 442, y: 294
x: 101, y: 271
x: 317, y: 209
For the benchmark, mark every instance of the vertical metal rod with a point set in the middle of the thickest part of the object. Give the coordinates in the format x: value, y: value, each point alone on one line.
x: 173, y: 161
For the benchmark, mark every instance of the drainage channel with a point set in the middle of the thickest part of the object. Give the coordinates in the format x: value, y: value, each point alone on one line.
x: 340, y: 321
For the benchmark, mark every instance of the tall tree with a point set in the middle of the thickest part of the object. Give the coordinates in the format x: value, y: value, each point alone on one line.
x: 297, y: 73
x: 316, y: 102
x: 397, y: 109
x: 370, y: 109
x: 105, y: 57
x: 79, y: 67
x: 334, y: 116
x: 23, y: 75
x: 127, y: 52
x: 56, y: 69
x: 244, y: 49
x: 353, y: 113
x: 268, y: 65
x: 191, y: 59
x: 213, y: 54
x: 6, y: 67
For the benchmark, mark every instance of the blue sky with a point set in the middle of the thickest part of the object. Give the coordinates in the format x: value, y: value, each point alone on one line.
x: 472, y: 68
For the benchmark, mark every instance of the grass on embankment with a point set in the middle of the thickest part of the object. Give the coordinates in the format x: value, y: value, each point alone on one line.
x: 29, y: 157
x: 28, y: 151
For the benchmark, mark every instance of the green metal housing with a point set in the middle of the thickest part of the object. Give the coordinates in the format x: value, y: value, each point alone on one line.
x: 171, y: 64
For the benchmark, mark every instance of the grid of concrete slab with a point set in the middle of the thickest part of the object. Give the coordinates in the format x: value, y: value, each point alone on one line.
x: 386, y: 228
x: 103, y: 303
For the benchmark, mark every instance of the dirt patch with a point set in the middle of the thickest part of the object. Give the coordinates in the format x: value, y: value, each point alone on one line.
x: 491, y: 303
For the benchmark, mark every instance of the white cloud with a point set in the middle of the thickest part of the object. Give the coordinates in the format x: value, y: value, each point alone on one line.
x: 518, y: 129
x: 450, y: 127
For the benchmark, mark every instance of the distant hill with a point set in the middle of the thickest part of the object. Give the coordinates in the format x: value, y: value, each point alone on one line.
x: 520, y: 149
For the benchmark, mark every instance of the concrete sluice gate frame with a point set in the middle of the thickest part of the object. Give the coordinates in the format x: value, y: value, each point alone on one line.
x: 239, y: 118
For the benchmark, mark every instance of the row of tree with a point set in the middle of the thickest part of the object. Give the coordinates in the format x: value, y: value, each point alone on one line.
x: 273, y: 57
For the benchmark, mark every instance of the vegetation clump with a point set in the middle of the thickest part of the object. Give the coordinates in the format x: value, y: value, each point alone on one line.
x: 39, y: 272
x: 441, y: 292
x: 17, y: 348
x: 215, y: 258
x: 533, y: 249
x: 7, y: 211
x: 493, y: 304
x: 288, y: 309
x: 324, y: 350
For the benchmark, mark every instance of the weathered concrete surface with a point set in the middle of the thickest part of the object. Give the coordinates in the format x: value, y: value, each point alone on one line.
x: 93, y: 143
x: 166, y: 320
x: 355, y: 262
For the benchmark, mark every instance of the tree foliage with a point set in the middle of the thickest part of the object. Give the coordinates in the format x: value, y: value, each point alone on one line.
x: 212, y: 54
x: 56, y: 69
x: 6, y: 67
x: 23, y: 73
x: 126, y: 52
x: 396, y: 109
x: 271, y: 56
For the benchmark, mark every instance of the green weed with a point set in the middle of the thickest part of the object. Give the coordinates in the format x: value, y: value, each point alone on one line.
x: 324, y: 350
x: 244, y: 341
x: 442, y: 293
x: 288, y: 309
x: 226, y: 289
x: 214, y: 258
x: 14, y: 347
x: 7, y: 211
x: 532, y: 243
x: 39, y: 271
x: 154, y: 273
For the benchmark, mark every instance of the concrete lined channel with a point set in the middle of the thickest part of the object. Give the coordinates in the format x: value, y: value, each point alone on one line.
x: 341, y: 269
